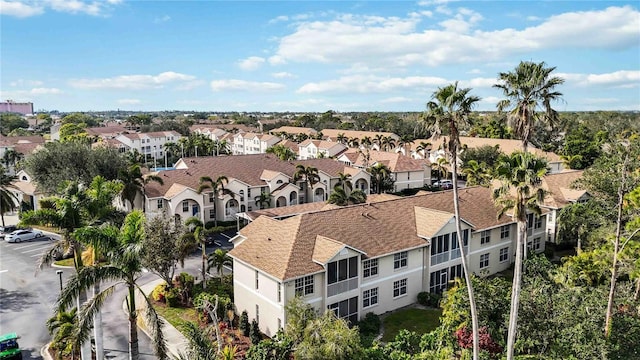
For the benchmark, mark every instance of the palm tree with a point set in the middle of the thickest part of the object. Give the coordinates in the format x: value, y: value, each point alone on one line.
x: 476, y: 173
x: 61, y: 328
x: 379, y: 140
x: 134, y: 183
x: 353, y: 142
x: 404, y: 141
x: 282, y: 152
x: 218, y: 189
x: 344, y: 181
x: 450, y: 108
x: 342, y: 138
x: 441, y: 167
x: 423, y: 147
x: 8, y: 199
x: 526, y: 89
x: 310, y: 176
x: 222, y: 147
x: 339, y: 196
x: 263, y: 200
x: 521, y: 172
x: 198, y: 233
x: 388, y: 143
x: 10, y: 157
x: 218, y: 260
x: 380, y: 175
x: 124, y: 268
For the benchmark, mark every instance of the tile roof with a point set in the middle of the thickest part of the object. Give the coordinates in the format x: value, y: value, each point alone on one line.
x: 245, y: 168
x: 333, y: 133
x: 560, y: 188
x: 294, y: 130
x: 14, y: 140
x: 112, y: 130
x: 396, y: 162
x: 376, y: 229
x: 507, y: 146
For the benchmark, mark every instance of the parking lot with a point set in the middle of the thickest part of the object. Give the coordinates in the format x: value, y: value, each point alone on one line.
x: 30, y: 248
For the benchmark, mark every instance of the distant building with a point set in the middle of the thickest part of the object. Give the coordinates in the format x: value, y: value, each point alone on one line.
x: 10, y: 106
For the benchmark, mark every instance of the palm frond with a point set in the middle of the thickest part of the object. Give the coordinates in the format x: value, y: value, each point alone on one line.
x: 87, y: 312
x: 155, y: 323
x: 83, y: 280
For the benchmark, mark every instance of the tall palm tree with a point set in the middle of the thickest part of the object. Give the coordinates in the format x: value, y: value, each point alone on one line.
x: 527, y: 88
x: 521, y: 173
x: 379, y: 140
x: 124, y: 268
x: 10, y: 157
x: 448, y: 109
x: 388, y: 143
x: 263, y: 200
x: 8, y: 199
x: 134, y: 183
x: 339, y: 196
x: 217, y: 186
x: 476, y: 173
x: 405, y: 140
x: 353, y: 142
x: 423, y: 147
x: 441, y: 167
x: 198, y: 232
x: 342, y: 138
x: 310, y: 176
x: 218, y: 260
x: 380, y: 175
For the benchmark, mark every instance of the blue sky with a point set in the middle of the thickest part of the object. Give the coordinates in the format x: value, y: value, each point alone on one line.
x: 77, y: 55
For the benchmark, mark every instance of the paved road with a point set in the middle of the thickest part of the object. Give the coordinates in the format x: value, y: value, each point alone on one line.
x: 26, y: 300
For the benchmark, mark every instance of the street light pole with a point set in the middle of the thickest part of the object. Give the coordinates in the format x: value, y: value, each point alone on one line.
x: 59, y: 272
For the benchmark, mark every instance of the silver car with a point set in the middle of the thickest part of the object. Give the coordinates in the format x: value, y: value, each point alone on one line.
x: 23, y: 235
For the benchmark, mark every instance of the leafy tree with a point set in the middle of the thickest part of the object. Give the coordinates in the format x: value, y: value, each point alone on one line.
x: 484, y: 154
x: 8, y: 199
x: 218, y: 260
x: 244, y: 323
x: 254, y: 332
x: 75, y: 132
x: 576, y: 221
x: 80, y: 118
x: 328, y: 337
x: 282, y: 152
x: 164, y: 248
x: 124, y: 268
x: 477, y: 174
x: 582, y: 147
x: 10, y: 122
x: 522, y: 173
x: 526, y: 88
x: 57, y: 163
x: 134, y: 183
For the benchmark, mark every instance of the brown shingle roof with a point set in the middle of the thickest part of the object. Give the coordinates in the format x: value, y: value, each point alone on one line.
x: 430, y: 221
x: 561, y: 191
x: 377, y: 229
x: 325, y: 249
x: 245, y: 168
x: 333, y: 133
x: 294, y: 130
x: 396, y: 162
x: 507, y: 146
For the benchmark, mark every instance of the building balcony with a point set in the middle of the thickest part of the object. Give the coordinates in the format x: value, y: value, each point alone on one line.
x: 342, y: 286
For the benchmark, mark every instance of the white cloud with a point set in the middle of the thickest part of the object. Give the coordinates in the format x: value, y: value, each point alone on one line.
x: 162, y: 19
x: 134, y: 82
x: 371, y: 84
x: 478, y: 83
x: 25, y: 83
x: 20, y: 9
x: 475, y: 71
x: 348, y: 39
x: 251, y: 63
x: 24, y: 8
x: 243, y: 85
x: 278, y: 19
x: 129, y: 101
x: 533, y: 18
x: 621, y: 78
x: 283, y: 75
x: 397, y: 99
x: 45, y: 91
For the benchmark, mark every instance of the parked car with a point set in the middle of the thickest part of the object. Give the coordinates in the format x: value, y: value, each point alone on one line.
x: 444, y: 184
x: 4, y: 230
x: 23, y: 235
x: 9, y: 348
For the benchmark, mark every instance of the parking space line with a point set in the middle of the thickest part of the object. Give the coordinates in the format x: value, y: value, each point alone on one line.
x: 37, y: 255
x: 27, y: 246
x: 3, y: 271
x: 32, y: 250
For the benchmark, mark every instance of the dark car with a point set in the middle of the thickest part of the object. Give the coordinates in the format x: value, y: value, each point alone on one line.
x: 4, y: 230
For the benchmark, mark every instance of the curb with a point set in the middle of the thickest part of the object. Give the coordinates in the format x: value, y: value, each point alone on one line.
x: 44, y: 352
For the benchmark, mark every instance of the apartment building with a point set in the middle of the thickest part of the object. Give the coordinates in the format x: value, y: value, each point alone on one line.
x: 311, y: 149
x: 373, y: 257
x: 561, y: 191
x: 252, y: 143
x: 248, y: 177
x: 149, y: 144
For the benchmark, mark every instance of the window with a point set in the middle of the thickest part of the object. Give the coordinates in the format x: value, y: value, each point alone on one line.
x: 538, y: 222
x: 159, y: 203
x: 504, y: 254
x: 537, y: 243
x: 370, y: 268
x: 211, y: 197
x: 400, y: 260
x: 400, y: 288
x: 484, y: 261
x: 456, y: 272
x: 257, y: 313
x: 279, y: 293
x: 504, y: 231
x: 279, y: 323
x: 369, y: 297
x: 346, y: 309
x: 212, y: 213
x: 185, y: 206
x: 342, y: 270
x: 304, y: 286
x: 440, y: 244
x: 439, y: 280
x: 257, y: 280
x: 485, y: 237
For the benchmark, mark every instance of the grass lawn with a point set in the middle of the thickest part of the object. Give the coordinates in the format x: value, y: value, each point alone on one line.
x: 421, y: 321
x: 176, y: 316
x: 65, y: 262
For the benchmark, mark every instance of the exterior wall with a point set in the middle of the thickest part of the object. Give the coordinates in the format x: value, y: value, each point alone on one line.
x: 409, y: 180
x: 307, y: 152
x: 316, y: 300
x: 555, y: 167
x: 263, y: 298
x: 493, y: 248
x: 551, y: 225
x: 16, y: 107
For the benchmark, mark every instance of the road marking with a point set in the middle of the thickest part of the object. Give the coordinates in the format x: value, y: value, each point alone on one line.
x: 27, y: 246
x: 3, y: 271
x: 32, y: 250
x: 225, y: 235
x: 37, y: 255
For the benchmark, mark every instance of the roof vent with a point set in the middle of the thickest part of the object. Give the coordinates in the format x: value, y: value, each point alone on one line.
x: 269, y: 239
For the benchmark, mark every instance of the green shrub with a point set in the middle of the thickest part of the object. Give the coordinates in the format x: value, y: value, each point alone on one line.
x: 254, y: 332
x: 429, y: 299
x: 244, y: 323
x: 158, y: 293
x: 370, y: 324
x: 172, y: 297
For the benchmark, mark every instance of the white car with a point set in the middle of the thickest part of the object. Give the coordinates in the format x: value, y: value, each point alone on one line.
x: 23, y: 235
